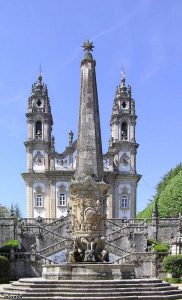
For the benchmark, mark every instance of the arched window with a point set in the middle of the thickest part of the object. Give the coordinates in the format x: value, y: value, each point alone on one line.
x: 38, y: 129
x: 124, y: 131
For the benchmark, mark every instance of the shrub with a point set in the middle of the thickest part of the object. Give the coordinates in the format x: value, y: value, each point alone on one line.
x: 173, y: 265
x: 161, y: 248
x: 7, y: 246
x: 174, y: 280
x: 4, y: 267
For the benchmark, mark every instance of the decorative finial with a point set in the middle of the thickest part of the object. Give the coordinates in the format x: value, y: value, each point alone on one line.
x: 88, y: 46
x: 40, y: 74
x: 123, y: 77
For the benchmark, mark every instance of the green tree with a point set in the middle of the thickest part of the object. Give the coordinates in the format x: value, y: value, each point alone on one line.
x: 4, y: 267
x: 6, y: 212
x: 15, y: 210
x: 168, y: 198
x: 173, y: 265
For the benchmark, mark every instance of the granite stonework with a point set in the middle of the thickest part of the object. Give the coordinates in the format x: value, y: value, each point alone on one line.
x: 89, y: 271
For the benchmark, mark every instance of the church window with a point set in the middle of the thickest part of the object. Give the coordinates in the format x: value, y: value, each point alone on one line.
x: 124, y: 131
x: 123, y: 201
x: 62, y: 199
x: 38, y: 128
x: 38, y: 200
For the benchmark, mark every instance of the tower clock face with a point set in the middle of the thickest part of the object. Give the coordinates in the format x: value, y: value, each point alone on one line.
x: 125, y: 160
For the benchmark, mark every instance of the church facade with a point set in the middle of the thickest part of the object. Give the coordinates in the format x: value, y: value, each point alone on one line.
x: 49, y: 173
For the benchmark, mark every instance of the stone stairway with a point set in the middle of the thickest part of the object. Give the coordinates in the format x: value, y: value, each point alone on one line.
x: 56, y: 247
x: 38, y: 288
x: 118, y: 231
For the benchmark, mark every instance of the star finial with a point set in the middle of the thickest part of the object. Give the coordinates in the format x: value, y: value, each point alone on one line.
x: 88, y: 46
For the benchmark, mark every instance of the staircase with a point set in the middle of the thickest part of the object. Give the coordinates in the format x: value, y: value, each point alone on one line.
x: 135, y: 289
x: 116, y: 231
x: 52, y: 236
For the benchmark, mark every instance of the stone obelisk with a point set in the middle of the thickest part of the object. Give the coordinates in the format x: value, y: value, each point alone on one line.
x: 88, y: 191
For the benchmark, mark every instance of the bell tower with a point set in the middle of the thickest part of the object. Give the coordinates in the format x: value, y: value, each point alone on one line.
x: 123, y: 148
x: 38, y: 146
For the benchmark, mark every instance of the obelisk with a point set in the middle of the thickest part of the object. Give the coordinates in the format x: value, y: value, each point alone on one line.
x: 88, y: 191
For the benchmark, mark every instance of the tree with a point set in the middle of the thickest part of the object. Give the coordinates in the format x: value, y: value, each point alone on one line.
x: 4, y: 211
x: 168, y: 198
x: 15, y: 210
x: 173, y: 265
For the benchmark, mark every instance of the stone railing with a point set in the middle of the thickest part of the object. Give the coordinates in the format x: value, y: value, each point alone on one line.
x: 57, y: 223
x: 36, y: 221
x: 54, y: 248
x: 116, y: 250
x: 44, y: 260
x: 47, y: 232
x: 136, y: 258
x: 117, y: 231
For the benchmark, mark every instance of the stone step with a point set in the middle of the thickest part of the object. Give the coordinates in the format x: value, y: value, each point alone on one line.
x: 37, y: 288
x: 88, y: 293
x: 89, y: 282
x: 143, y: 286
x: 79, y: 289
x: 156, y: 297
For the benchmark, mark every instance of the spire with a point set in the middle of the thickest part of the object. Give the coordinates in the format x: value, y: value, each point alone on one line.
x: 39, y: 88
x: 123, y: 87
x: 89, y: 148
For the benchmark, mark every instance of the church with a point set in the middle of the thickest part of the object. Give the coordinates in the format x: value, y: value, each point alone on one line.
x: 49, y: 173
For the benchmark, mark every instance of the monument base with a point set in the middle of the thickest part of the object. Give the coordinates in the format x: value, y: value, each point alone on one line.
x: 88, y: 271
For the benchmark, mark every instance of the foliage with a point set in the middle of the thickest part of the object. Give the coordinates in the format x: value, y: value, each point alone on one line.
x: 6, y: 212
x: 147, y: 212
x: 15, y: 210
x: 7, y: 246
x: 158, y: 247
x: 4, y: 267
x: 173, y: 265
x: 168, y: 198
x: 174, y: 280
x: 167, y: 177
x: 161, y: 248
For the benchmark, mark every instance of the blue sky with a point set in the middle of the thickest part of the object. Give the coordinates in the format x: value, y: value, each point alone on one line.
x: 144, y: 37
